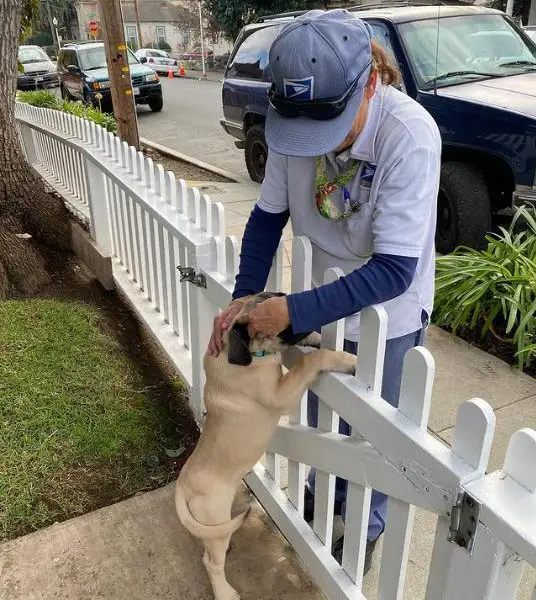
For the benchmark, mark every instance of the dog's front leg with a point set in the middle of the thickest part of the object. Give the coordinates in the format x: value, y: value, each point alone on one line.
x: 308, y: 367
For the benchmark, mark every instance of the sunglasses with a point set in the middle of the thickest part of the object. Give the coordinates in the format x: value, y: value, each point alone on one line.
x: 318, y: 110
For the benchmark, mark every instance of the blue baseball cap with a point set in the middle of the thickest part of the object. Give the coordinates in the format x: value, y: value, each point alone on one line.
x: 320, y: 65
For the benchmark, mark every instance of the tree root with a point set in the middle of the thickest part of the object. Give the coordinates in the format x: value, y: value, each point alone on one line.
x: 50, y: 224
x: 22, y: 265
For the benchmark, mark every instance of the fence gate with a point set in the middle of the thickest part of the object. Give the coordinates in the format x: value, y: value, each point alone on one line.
x: 150, y: 224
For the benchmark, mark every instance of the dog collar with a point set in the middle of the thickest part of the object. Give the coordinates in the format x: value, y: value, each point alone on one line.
x: 260, y: 353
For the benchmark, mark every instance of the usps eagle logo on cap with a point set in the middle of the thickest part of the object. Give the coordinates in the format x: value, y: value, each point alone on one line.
x: 299, y: 89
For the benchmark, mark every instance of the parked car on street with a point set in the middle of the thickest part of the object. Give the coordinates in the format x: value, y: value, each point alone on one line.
x: 39, y: 70
x: 477, y: 79
x: 196, y: 54
x: 84, y: 76
x: 159, y: 60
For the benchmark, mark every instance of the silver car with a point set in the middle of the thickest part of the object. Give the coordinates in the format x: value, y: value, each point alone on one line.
x: 159, y: 60
x: 39, y: 70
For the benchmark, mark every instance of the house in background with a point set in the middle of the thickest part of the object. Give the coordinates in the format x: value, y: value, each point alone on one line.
x: 160, y: 22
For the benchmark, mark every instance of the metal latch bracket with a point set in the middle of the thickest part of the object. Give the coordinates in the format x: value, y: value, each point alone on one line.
x: 190, y: 275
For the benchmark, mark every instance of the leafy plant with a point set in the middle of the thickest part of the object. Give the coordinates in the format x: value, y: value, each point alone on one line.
x: 229, y: 16
x: 163, y: 45
x: 46, y: 99
x: 493, y: 289
x: 39, y: 98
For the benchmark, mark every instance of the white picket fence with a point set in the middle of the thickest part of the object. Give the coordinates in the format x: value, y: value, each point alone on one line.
x: 150, y: 224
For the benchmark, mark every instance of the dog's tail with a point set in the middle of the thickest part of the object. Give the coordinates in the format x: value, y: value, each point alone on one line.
x: 198, y: 529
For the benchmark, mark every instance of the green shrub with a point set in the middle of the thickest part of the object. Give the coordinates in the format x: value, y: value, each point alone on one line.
x: 493, y: 289
x: 46, y: 99
x: 40, y: 98
x: 162, y: 45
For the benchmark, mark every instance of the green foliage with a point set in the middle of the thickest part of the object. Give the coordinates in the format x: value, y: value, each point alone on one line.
x: 30, y: 15
x: 40, y: 98
x: 521, y: 7
x: 493, y: 289
x: 46, y: 99
x: 163, y: 45
x: 229, y: 16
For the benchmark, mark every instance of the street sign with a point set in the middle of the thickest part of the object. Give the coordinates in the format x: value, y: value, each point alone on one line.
x: 93, y: 26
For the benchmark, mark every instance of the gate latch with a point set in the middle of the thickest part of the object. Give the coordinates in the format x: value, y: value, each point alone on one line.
x: 190, y: 275
x: 464, y: 522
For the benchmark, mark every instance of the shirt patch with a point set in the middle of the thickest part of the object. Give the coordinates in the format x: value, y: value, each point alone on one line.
x: 367, y: 174
x: 301, y: 89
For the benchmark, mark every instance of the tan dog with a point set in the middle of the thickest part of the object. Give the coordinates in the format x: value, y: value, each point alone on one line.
x: 245, y: 394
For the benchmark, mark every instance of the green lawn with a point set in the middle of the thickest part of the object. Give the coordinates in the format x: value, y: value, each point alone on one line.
x: 77, y: 423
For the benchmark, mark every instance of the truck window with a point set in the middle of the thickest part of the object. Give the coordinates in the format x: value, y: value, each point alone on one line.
x: 383, y: 37
x: 251, y: 58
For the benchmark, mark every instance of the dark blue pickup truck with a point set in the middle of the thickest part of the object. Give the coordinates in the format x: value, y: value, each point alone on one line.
x: 472, y: 68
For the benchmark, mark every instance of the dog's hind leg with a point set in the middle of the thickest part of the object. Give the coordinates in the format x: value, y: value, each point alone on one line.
x: 214, y: 561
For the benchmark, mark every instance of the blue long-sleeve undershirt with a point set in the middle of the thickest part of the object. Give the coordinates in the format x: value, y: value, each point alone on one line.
x: 383, y: 278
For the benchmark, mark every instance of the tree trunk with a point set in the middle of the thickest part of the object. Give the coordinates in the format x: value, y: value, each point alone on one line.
x: 25, y: 206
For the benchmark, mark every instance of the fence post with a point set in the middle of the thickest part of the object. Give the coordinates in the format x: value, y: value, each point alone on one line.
x: 28, y: 142
x: 99, y: 211
x: 473, y: 434
x: 202, y: 313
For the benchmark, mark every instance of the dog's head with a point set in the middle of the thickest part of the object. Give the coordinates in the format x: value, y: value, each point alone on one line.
x: 241, y: 348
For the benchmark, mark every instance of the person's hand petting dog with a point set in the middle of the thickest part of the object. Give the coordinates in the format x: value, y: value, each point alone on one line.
x: 269, y: 317
x: 222, y: 322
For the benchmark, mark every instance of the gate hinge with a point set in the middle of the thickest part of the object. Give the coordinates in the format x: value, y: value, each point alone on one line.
x: 190, y: 275
x: 464, y: 521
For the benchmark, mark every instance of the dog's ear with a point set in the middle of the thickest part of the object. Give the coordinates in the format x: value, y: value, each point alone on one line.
x: 238, y: 352
x: 288, y: 337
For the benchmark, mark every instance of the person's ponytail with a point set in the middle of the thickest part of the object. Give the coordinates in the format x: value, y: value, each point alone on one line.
x: 382, y: 63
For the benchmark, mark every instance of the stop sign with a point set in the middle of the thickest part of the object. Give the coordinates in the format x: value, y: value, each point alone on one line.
x: 93, y: 26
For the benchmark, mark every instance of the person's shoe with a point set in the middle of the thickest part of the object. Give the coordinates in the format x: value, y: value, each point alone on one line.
x: 369, y: 552
x: 309, y: 506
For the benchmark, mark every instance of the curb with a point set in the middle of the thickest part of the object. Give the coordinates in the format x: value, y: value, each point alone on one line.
x: 189, y: 159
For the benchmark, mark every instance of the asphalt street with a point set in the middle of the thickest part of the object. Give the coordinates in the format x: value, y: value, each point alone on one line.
x: 190, y: 123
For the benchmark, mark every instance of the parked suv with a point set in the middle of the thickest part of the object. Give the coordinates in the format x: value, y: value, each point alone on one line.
x: 477, y: 79
x: 84, y: 76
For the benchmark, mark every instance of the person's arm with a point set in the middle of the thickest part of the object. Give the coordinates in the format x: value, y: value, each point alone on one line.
x: 259, y: 245
x: 401, y: 219
x: 264, y: 228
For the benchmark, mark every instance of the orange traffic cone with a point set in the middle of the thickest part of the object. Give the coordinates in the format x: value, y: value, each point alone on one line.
x: 170, y: 73
x: 182, y: 71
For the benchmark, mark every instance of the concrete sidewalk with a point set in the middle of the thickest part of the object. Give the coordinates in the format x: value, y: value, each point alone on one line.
x: 137, y: 550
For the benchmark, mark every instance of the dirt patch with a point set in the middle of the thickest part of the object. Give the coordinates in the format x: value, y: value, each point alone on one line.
x: 183, y: 169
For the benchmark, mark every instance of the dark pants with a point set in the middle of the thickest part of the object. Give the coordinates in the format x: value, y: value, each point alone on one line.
x: 395, y: 350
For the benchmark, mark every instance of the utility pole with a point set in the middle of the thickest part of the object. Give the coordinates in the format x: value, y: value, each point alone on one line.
x: 119, y: 71
x: 202, y: 33
x: 138, y: 23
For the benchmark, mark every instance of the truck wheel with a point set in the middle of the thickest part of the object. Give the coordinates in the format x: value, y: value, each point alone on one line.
x: 156, y: 104
x: 463, y: 208
x: 256, y: 152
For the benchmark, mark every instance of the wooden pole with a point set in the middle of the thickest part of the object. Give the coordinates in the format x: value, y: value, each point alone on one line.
x: 138, y: 23
x: 119, y: 72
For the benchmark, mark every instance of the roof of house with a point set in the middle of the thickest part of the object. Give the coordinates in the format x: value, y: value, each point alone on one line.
x: 157, y: 11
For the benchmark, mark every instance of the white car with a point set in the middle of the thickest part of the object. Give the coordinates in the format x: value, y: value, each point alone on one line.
x: 159, y: 60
